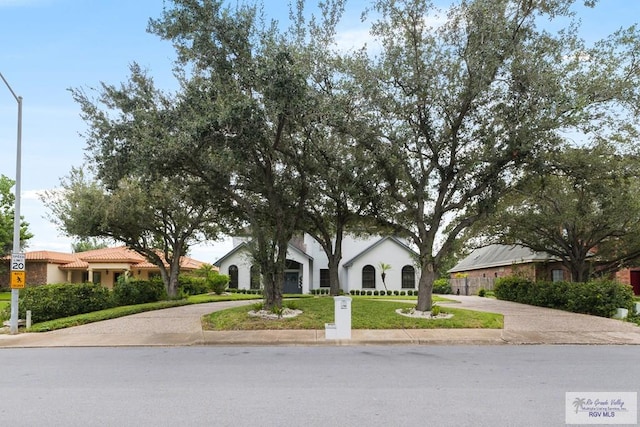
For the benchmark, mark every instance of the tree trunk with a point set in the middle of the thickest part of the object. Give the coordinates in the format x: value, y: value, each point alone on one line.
x: 172, y: 289
x: 273, y: 290
x: 274, y: 280
x: 425, y: 287
x: 334, y: 279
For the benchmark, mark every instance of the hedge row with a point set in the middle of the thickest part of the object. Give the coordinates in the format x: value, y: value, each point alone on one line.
x: 366, y: 292
x: 48, y: 302
x: 599, y: 298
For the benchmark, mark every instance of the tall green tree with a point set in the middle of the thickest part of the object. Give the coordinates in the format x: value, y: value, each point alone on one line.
x: 7, y: 210
x: 134, y: 196
x: 582, y: 207
x: 159, y: 219
x: 464, y: 105
x: 255, y: 111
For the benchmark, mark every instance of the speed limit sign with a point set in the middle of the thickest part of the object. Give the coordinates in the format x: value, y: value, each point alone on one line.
x: 17, y: 262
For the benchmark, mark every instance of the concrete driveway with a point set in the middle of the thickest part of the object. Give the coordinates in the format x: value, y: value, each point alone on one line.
x: 524, y: 324
x: 181, y: 326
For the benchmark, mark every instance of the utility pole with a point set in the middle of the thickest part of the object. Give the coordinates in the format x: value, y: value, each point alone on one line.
x: 17, y: 257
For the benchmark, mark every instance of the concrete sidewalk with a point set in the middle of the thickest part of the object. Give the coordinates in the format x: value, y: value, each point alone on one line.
x: 181, y: 326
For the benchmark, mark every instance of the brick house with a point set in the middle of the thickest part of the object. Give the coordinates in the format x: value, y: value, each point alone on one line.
x: 480, y: 268
x: 98, y: 266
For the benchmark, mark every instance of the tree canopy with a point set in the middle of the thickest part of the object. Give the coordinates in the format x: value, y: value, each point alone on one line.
x: 130, y: 194
x: 7, y: 210
x: 582, y: 207
x: 288, y: 133
x: 462, y: 108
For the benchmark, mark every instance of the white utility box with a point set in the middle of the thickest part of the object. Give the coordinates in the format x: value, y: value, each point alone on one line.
x: 341, y: 328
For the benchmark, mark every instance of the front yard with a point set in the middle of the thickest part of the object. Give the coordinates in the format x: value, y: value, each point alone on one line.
x: 366, y: 314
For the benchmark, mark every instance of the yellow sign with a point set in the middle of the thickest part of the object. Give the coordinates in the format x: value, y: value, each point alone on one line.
x: 18, y: 279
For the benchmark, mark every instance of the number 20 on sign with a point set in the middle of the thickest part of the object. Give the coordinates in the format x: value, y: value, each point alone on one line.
x: 18, y: 274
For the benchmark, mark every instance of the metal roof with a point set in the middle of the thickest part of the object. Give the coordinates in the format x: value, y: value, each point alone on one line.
x: 500, y: 256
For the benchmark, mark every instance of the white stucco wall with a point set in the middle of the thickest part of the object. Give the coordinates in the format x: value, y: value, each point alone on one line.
x: 242, y: 259
x: 389, y: 252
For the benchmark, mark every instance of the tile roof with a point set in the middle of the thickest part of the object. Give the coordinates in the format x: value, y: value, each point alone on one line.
x: 120, y: 254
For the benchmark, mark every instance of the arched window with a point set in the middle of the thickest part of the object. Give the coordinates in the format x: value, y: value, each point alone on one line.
x: 233, y: 277
x: 255, y: 277
x: 408, y: 277
x: 368, y: 277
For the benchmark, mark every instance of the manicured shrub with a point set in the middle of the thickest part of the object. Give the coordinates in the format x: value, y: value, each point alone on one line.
x: 130, y: 292
x: 441, y: 286
x: 481, y: 292
x: 402, y: 293
x: 376, y: 293
x: 192, y: 285
x: 396, y: 293
x: 599, y: 298
x: 218, y: 282
x: 410, y: 292
x: 55, y: 301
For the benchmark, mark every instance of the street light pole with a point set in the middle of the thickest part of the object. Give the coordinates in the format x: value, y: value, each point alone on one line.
x: 13, y: 327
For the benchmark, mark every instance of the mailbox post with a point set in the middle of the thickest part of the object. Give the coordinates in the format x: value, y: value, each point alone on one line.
x: 341, y: 328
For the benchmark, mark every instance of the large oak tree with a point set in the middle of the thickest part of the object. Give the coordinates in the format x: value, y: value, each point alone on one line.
x: 582, y: 206
x: 464, y: 103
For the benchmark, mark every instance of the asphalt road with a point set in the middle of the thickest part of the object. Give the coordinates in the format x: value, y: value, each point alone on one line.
x: 306, y: 386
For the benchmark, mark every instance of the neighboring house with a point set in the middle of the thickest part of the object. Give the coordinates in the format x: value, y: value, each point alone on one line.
x: 307, y: 265
x: 102, y: 266
x: 484, y: 265
x: 630, y: 276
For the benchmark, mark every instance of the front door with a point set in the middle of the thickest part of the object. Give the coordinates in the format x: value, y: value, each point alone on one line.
x: 635, y: 281
x: 291, y: 284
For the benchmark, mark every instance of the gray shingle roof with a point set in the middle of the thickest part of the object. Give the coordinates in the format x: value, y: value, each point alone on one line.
x: 499, y: 256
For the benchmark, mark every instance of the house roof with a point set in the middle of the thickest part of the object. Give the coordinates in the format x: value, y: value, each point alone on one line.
x: 245, y: 245
x: 500, y: 256
x: 120, y: 254
x: 378, y: 243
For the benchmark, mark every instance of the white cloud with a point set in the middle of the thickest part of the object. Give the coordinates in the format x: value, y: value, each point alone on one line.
x: 32, y: 194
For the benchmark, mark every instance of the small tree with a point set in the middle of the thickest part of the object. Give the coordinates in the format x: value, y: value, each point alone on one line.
x: 383, y: 273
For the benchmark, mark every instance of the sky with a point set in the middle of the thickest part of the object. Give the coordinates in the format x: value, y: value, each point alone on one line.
x: 49, y: 46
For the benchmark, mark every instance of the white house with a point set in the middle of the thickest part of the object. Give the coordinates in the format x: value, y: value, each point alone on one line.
x: 307, y: 265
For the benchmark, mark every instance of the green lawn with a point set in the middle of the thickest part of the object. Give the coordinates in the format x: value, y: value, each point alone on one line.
x: 366, y: 314
x: 5, y: 302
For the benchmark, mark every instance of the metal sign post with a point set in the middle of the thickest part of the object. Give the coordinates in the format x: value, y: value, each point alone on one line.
x: 13, y: 326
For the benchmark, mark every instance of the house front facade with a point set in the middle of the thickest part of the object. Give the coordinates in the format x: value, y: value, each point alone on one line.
x: 484, y: 265
x: 102, y: 266
x: 307, y: 266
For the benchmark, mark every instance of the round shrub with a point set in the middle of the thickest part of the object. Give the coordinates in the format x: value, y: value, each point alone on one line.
x: 130, y: 292
x: 191, y: 285
x: 441, y: 286
x: 218, y: 283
